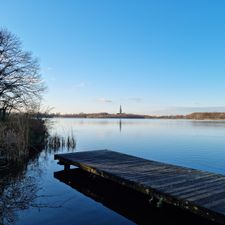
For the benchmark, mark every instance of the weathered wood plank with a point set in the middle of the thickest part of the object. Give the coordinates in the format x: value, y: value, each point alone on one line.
x: 197, y: 191
x: 193, y: 185
x: 202, y: 190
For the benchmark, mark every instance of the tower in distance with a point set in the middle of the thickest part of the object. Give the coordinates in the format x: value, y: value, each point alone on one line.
x: 121, y: 110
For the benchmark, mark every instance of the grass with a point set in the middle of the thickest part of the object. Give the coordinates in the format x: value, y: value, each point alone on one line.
x: 20, y: 135
x: 57, y: 142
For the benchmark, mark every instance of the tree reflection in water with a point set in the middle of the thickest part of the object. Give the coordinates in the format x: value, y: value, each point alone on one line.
x: 18, y: 185
x: 19, y: 194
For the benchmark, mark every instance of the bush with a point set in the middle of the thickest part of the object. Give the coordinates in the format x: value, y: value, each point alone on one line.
x: 19, y: 135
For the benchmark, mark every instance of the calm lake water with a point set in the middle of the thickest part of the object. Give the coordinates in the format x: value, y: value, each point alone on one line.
x: 195, y: 144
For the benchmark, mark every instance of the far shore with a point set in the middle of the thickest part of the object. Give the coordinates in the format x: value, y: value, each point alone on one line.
x: 193, y: 116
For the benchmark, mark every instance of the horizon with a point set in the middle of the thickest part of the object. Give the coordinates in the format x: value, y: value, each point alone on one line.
x: 177, y: 112
x: 149, y: 56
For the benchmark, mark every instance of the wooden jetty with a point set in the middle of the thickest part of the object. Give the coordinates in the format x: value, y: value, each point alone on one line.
x: 125, y: 201
x: 200, y: 192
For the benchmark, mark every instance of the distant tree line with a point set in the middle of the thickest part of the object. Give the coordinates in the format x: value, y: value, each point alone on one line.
x: 194, y: 116
x: 207, y: 115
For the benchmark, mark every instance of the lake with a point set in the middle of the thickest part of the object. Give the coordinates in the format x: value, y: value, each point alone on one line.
x: 195, y: 144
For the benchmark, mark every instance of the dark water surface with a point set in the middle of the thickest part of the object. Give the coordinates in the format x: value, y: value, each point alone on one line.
x: 54, y: 199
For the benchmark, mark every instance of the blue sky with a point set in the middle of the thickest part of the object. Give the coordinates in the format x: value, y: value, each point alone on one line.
x: 150, y: 56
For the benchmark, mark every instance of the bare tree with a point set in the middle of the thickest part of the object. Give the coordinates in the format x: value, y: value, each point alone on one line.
x: 20, y: 81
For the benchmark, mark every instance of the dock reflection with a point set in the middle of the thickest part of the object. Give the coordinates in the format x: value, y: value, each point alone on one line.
x: 126, y: 202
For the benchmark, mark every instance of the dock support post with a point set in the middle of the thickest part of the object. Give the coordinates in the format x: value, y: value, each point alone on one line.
x: 66, y: 167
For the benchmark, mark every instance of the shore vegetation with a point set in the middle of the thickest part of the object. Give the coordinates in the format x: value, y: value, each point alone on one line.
x: 21, y: 92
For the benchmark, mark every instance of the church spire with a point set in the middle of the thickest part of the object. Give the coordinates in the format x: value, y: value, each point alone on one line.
x: 120, y: 109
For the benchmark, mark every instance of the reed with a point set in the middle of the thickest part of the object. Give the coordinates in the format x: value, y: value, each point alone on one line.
x: 56, y: 142
x: 14, y: 135
x: 20, y: 134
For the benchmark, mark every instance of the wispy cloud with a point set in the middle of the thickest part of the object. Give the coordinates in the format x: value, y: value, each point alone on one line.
x: 104, y: 100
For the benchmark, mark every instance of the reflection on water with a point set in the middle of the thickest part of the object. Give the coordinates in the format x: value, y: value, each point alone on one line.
x: 17, y: 190
x: 31, y: 196
x: 120, y: 125
x: 197, y: 144
x: 18, y: 179
x: 17, y: 195
x: 129, y: 203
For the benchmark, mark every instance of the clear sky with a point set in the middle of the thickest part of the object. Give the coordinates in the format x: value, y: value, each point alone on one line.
x: 149, y: 56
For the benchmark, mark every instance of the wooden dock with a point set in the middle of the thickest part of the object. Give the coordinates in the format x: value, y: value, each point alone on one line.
x: 125, y: 201
x: 200, y: 192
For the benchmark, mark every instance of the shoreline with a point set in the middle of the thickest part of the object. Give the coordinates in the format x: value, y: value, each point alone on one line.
x: 193, y: 116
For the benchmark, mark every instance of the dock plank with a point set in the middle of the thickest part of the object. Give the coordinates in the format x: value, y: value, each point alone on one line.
x: 200, y: 192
